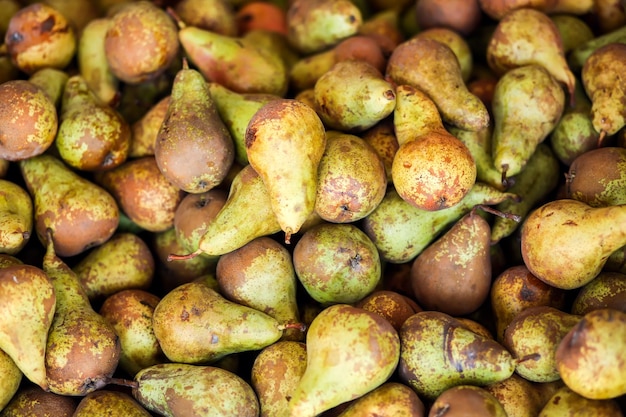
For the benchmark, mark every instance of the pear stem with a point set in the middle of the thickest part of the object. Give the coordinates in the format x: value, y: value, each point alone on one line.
x: 601, y: 138
x: 504, y: 215
x: 174, y: 257
x: 299, y: 326
x: 176, y: 17
x: 123, y: 382
x: 531, y: 356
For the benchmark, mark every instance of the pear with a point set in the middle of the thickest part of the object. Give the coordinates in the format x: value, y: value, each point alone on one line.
x: 31, y: 400
x: 596, y: 177
x: 92, y: 60
x: 463, y: 17
x: 351, y: 180
x: 516, y: 289
x: 605, y: 87
x: 534, y: 334
x: 566, y: 242
x: 236, y: 110
x: 261, y: 275
x: 466, y: 400
x: 143, y: 193
x: 275, y: 373
x: 194, y: 153
x: 431, y: 169
x: 309, y: 68
x: 122, y: 262
x: 52, y: 81
x: 382, y: 138
x: 389, y: 399
x: 8, y: 260
x: 193, y: 215
x: 317, y: 25
x: 527, y: 104
x: 565, y: 401
x: 411, y: 229
x: 130, y: 313
x: 215, y: 15
x: 11, y: 378
x: 16, y: 217
x: 195, y: 324
x: 589, y: 357
x: 365, y: 99
x: 39, y: 36
x: 533, y: 185
x: 145, y: 130
x: 497, y: 9
x: 92, y: 135
x: 29, y: 120
x: 293, y: 131
x: 433, y: 68
x: 342, y: 338
x: 166, y: 390
x: 518, y: 396
x: 28, y: 306
x: 337, y: 263
x: 391, y: 305
x: 141, y: 42
x: 108, y: 402
x: 578, y: 56
x: 607, y: 290
x: 574, y: 31
x: 81, y: 213
x: 453, y: 274
x: 511, y: 47
x: 456, y: 42
x: 439, y: 352
x: 82, y: 349
x: 136, y: 99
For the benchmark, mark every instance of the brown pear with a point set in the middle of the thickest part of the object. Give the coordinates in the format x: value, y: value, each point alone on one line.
x: 145, y: 130
x: 596, y: 177
x: 389, y: 399
x: 108, y: 402
x: 518, y: 396
x: 607, y: 290
x: 466, y: 401
x: 392, y: 305
x: 32, y: 401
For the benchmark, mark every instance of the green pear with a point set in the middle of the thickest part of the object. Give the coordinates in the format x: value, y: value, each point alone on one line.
x: 456, y: 42
x: 175, y: 389
x: 92, y: 61
x: 351, y: 180
x: 194, y: 214
x: 567, y: 402
x: 466, y: 400
x: 389, y: 399
x: 412, y: 229
x: 605, y: 87
x: 589, y: 357
x: 136, y: 99
x: 382, y: 138
x: 52, y: 81
x: 578, y: 56
x: 518, y: 396
x: 195, y: 324
x: 337, y: 263
x: 82, y: 349
x: 309, y: 68
x: 193, y: 153
x: 516, y: 289
x: 16, y: 217
x: 130, y: 313
x: 29, y: 120
x: 573, y: 30
x: 92, y: 135
x: 534, y: 184
x: 11, y: 378
x: 293, y: 130
x: 143, y: 193
x: 317, y: 25
x: 433, y: 68
x: 415, y: 114
x: 144, y: 131
x: 261, y: 275
x: 439, y: 352
x: 527, y: 104
x: 353, y: 96
x: 236, y: 110
x: 81, y: 213
x: 566, y: 242
x: 534, y: 334
x: 350, y: 352
x: 607, y: 290
x: 28, y: 306
x: 109, y: 403
x: 31, y: 400
x: 275, y: 373
x: 122, y: 262
x: 596, y: 177
x: 214, y: 15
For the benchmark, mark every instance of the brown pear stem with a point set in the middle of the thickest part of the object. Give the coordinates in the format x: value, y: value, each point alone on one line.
x: 601, y: 138
x: 174, y: 257
x: 531, y: 356
x: 299, y: 326
x: 499, y: 213
x: 287, y: 238
x: 123, y: 382
x: 176, y: 17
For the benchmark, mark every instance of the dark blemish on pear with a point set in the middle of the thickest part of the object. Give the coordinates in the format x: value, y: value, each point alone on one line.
x: 47, y: 25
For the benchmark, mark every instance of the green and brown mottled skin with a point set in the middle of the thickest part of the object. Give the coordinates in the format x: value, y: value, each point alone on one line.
x: 174, y: 389
x: 28, y: 304
x: 16, y: 217
x: 391, y: 305
x: 518, y: 396
x: 391, y: 398
x: 28, y: 120
x: 607, y: 290
x: 566, y: 402
x: 109, y: 403
x: 590, y: 357
x: 141, y: 42
x: 467, y: 401
x: 193, y: 215
x: 598, y: 177
x: 35, y: 402
x: 82, y: 349
x: 438, y: 352
x: 275, y: 373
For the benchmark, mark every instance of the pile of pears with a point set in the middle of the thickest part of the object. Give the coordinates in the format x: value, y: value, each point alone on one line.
x: 301, y: 208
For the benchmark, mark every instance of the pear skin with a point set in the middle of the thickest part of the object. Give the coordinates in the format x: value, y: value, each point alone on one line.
x: 11, y: 379
x: 109, y: 402
x: 16, y: 217
x: 607, y: 290
x: 52, y: 81
x: 467, y: 401
x: 597, y: 176
x: 565, y: 401
x: 518, y: 396
x: 33, y: 401
x: 389, y: 399
x: 145, y: 130
x: 293, y: 132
